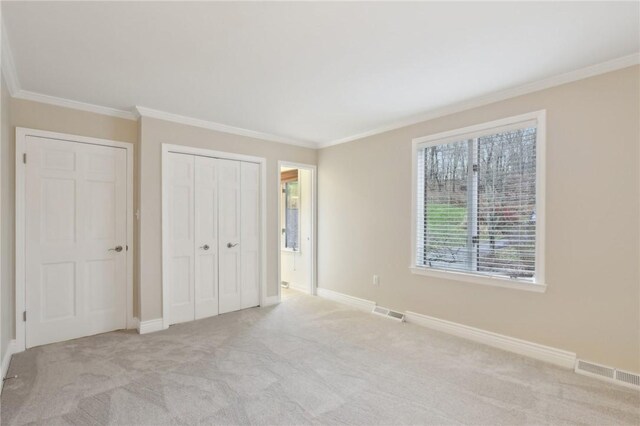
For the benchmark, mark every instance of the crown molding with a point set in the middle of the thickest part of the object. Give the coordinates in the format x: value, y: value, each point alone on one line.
x: 68, y: 103
x: 211, y: 125
x: 8, y: 65
x: 13, y: 84
x: 582, y: 73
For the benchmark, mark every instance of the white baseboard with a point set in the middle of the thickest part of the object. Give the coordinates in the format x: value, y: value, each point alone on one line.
x: 6, y: 360
x: 355, y: 302
x: 555, y: 356
x: 271, y: 300
x: 150, y: 326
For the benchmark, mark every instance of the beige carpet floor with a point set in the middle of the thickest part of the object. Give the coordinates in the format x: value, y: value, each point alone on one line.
x: 305, y: 361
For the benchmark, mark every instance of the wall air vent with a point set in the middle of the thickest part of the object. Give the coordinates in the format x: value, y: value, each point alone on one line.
x: 609, y: 374
x: 379, y: 310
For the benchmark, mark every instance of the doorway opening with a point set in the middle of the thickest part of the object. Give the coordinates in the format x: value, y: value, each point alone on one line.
x: 296, y: 227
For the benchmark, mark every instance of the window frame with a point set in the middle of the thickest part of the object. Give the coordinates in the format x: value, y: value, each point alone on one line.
x: 539, y: 118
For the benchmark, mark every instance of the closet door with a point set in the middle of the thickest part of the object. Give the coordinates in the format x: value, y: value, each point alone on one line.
x: 250, y: 235
x: 181, y: 237
x: 206, y: 237
x: 76, y: 238
x: 229, y: 235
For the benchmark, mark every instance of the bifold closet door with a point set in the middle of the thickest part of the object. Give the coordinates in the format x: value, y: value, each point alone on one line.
x: 239, y: 230
x: 181, y: 205
x: 206, y: 237
x: 214, y: 236
x: 229, y: 231
x: 250, y: 235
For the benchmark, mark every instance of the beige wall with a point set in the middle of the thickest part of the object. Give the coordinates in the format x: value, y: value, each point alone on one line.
x: 6, y: 231
x: 592, y: 305
x: 153, y: 133
x: 35, y: 115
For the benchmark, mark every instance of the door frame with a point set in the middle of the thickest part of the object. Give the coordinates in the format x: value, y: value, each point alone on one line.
x: 20, y: 247
x: 313, y: 169
x: 184, y: 149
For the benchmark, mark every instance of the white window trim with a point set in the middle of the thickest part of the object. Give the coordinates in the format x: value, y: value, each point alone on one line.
x: 539, y: 283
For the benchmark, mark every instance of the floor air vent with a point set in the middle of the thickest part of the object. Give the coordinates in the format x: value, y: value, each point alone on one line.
x: 632, y: 379
x: 607, y: 373
x: 379, y: 310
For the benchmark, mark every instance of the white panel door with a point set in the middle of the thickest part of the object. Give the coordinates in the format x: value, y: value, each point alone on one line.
x: 75, y: 218
x: 180, y: 191
x: 206, y: 237
x: 229, y: 235
x: 250, y: 235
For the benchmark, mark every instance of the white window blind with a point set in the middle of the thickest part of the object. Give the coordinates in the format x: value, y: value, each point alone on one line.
x: 476, y: 202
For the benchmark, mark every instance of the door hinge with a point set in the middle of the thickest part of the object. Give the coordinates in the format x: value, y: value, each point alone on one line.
x: 24, y: 158
x: 476, y: 168
x: 24, y: 316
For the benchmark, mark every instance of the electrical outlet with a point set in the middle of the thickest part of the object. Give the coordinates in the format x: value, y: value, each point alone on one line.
x: 376, y: 280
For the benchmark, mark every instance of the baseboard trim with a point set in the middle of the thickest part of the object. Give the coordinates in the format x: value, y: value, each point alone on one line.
x: 355, y: 302
x: 6, y: 360
x: 150, y: 326
x: 548, y: 354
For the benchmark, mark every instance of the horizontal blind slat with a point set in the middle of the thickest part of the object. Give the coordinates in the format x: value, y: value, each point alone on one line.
x: 503, y: 190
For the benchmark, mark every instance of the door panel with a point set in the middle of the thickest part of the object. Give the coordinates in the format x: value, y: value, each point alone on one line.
x: 229, y: 231
x: 250, y: 235
x: 214, y: 236
x: 58, y: 291
x: 206, y: 240
x: 75, y: 212
x: 181, y: 237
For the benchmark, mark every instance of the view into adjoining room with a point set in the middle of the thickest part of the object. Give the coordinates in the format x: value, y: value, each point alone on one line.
x: 296, y: 228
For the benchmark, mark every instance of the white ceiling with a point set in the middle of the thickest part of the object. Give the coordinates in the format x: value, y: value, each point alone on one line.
x: 305, y: 71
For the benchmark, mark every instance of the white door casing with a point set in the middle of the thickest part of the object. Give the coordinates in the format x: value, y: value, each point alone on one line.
x: 75, y: 199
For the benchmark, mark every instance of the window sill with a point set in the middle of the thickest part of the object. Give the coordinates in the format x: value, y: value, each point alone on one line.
x: 492, y: 281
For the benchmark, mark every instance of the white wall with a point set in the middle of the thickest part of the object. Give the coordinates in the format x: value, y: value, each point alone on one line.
x: 295, y: 266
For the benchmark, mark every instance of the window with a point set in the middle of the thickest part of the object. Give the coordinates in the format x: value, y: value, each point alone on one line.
x: 478, y: 201
x: 291, y: 201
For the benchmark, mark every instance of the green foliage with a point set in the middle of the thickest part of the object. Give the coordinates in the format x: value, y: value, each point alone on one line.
x: 449, y: 219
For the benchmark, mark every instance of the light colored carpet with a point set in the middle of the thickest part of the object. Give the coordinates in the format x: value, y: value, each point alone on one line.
x: 305, y: 361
